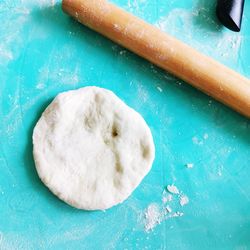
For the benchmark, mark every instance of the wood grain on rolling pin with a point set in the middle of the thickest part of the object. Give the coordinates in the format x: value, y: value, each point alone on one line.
x: 199, y: 70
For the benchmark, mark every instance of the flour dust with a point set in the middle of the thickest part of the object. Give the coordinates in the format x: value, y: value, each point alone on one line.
x: 156, y: 213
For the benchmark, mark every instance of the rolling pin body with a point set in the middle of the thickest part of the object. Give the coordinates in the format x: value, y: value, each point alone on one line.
x: 165, y: 51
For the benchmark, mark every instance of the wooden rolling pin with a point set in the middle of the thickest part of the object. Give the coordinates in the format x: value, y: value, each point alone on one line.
x: 200, y: 71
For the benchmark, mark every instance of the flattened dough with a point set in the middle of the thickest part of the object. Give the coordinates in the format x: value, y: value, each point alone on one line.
x: 91, y: 149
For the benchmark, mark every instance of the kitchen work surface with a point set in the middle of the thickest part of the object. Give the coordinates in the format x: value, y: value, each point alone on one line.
x: 197, y: 195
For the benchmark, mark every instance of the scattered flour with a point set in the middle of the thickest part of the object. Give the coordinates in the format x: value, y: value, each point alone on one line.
x: 200, y: 140
x: 220, y: 170
x: 166, y: 197
x: 7, y: 55
x: 136, y: 6
x: 11, y: 28
x: 184, y: 200
x: 205, y: 136
x: 152, y: 217
x: 66, y: 76
x: 173, y: 189
x: 189, y: 165
x: 156, y: 213
x: 159, y: 88
x: 122, y: 52
x: 46, y: 3
x: 13, y: 24
x: 176, y: 214
x: 40, y: 86
x: 52, y: 2
x: 188, y: 25
x: 197, y: 141
x: 143, y: 93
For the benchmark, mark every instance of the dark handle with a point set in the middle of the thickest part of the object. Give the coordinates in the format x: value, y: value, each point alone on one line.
x: 230, y: 13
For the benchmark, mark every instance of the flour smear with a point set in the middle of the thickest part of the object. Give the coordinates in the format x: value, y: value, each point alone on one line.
x: 10, y: 32
x: 12, y: 26
x: 153, y: 216
x: 184, y: 24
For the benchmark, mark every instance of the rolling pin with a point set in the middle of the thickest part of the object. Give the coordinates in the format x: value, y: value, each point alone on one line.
x: 170, y: 54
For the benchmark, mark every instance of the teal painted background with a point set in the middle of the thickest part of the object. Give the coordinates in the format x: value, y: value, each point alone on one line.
x: 44, y: 52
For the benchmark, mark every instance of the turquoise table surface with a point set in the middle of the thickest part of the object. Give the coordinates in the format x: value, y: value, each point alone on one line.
x: 202, y: 147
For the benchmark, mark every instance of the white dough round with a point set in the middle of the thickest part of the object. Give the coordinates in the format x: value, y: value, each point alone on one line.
x: 91, y: 149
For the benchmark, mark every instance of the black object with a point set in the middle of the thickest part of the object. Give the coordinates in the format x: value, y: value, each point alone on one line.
x: 230, y: 13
